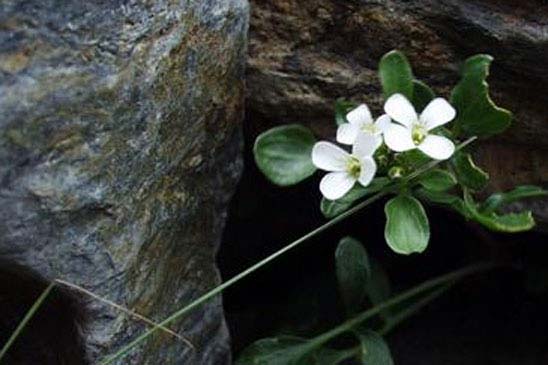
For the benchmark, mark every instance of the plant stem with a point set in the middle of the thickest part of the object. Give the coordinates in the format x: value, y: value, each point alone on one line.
x: 411, y: 310
x: 429, y: 284
x: 427, y: 166
x: 242, y: 275
x: 28, y: 316
x: 400, y: 317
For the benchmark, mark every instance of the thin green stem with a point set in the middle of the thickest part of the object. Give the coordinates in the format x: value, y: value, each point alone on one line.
x: 427, y: 166
x: 242, y: 275
x: 401, y: 316
x: 178, y: 314
x: 28, y: 316
x: 429, y: 284
x: 411, y: 310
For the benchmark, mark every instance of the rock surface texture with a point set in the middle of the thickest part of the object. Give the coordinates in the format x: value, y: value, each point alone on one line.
x: 119, y: 150
x: 305, y: 54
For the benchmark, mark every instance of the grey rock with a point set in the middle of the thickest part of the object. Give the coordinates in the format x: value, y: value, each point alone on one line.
x: 119, y: 150
x: 304, y: 55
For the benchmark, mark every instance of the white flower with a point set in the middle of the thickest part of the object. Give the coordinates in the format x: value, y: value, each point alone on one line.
x: 345, y: 168
x: 413, y: 131
x: 360, y: 121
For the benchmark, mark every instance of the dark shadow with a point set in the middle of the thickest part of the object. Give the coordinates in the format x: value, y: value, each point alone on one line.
x: 53, y: 336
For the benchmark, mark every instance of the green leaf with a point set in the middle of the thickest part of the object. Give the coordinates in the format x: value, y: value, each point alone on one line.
x: 437, y: 180
x: 498, y: 200
x: 284, y: 350
x: 327, y: 356
x: 378, y: 288
x: 353, y: 272
x: 396, y: 75
x: 283, y: 154
x: 343, y: 107
x: 422, y: 95
x: 468, y: 174
x: 374, y: 350
x: 509, y: 223
x: 477, y: 114
x: 412, y: 159
x: 445, y: 199
x: 332, y: 208
x: 407, y: 229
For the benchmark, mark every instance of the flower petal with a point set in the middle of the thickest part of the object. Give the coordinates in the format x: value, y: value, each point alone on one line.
x: 437, y: 147
x: 365, y: 145
x: 329, y: 157
x: 347, y: 133
x: 336, y: 184
x: 400, y: 109
x: 437, y: 112
x: 378, y: 141
x: 368, y: 170
x: 398, y: 138
x: 359, y: 116
x: 383, y: 122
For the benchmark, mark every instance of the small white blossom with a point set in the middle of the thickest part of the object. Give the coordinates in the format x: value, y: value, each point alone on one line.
x: 345, y: 168
x: 360, y: 121
x: 413, y: 131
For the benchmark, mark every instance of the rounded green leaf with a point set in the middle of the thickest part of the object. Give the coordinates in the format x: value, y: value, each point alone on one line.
x: 407, y: 229
x: 283, y: 154
x: 353, y: 272
x: 379, y: 288
x: 437, y: 180
x: 396, y: 74
x: 373, y: 348
x: 477, y: 114
x: 422, y: 95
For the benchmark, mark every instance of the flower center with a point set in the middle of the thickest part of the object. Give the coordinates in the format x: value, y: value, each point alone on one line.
x: 353, y: 167
x: 418, y: 134
x: 370, y: 128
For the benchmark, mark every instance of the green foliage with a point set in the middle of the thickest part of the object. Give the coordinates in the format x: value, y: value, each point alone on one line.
x: 411, y: 160
x: 444, y: 198
x: 343, y: 107
x: 353, y: 272
x: 332, y: 208
x: 283, y: 154
x: 422, y: 95
x: 373, y: 348
x: 407, y: 229
x: 327, y: 356
x: 499, y: 200
x: 396, y: 75
x: 477, y: 114
x: 468, y: 174
x: 378, y: 287
x: 437, y: 180
x: 284, y: 350
x: 510, y: 222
